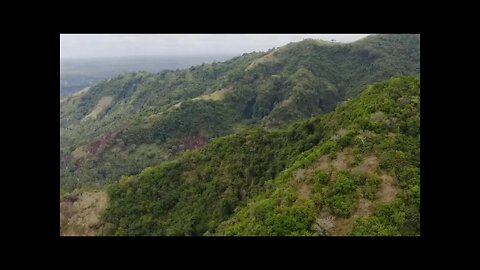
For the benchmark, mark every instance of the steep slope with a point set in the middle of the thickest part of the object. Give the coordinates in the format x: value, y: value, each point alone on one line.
x: 119, y: 126
x: 353, y: 171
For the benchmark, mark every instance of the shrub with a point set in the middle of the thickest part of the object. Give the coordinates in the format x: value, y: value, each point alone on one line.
x: 373, y: 226
x: 344, y: 183
x: 371, y: 187
x: 342, y: 205
x: 392, y: 159
x: 322, y: 177
x: 296, y: 219
x: 407, y: 173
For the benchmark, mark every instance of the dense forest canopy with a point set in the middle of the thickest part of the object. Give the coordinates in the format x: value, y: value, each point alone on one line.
x: 260, y: 182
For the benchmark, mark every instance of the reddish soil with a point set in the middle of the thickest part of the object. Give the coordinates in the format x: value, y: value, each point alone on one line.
x: 194, y: 142
x: 100, y: 145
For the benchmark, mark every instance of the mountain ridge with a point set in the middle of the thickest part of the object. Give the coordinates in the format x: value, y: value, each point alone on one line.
x: 173, y: 110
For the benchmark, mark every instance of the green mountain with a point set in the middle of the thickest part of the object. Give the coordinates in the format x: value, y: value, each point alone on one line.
x: 124, y: 124
x: 353, y: 171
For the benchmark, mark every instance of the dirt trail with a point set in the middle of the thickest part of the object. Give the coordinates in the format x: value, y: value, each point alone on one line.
x: 388, y: 189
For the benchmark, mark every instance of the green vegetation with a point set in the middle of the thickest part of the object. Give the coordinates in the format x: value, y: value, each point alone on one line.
x: 306, y: 139
x: 341, y: 195
x: 77, y: 74
x: 287, y: 181
x: 393, y: 219
x: 156, y: 117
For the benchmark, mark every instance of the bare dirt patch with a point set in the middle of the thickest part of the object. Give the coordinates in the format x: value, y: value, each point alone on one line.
x: 340, y: 162
x: 100, y: 145
x: 368, y: 165
x: 338, y: 226
x: 80, y: 213
x: 194, y: 142
x: 323, y: 163
x: 342, y: 226
x: 364, y: 208
x: 343, y: 159
x: 388, y: 189
x: 304, y: 190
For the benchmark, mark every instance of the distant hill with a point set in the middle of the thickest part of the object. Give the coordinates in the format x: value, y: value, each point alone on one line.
x: 76, y: 74
x: 123, y: 124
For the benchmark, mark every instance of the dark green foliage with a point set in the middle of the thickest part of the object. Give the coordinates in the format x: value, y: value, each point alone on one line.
x: 341, y: 195
x: 322, y: 177
x: 226, y: 188
x: 206, y: 117
x: 372, y: 184
x: 294, y: 220
x: 342, y: 205
x: 203, y: 188
x: 344, y: 183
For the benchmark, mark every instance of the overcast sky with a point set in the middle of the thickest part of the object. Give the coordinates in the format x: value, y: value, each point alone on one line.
x: 114, y: 45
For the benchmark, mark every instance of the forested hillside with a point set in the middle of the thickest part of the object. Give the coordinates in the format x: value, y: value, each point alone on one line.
x: 124, y: 124
x: 76, y: 74
x: 353, y: 171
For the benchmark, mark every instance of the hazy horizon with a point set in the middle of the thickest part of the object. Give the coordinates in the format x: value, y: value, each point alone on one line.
x: 97, y: 46
x: 145, y: 56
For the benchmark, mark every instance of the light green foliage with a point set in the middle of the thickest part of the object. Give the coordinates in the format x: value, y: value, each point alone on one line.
x: 291, y: 221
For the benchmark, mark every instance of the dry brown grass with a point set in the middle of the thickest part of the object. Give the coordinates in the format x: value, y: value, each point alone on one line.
x: 217, y: 95
x: 101, y: 107
x: 267, y: 59
x: 79, y: 152
x: 80, y: 214
x: 367, y: 166
x: 388, y: 189
x: 340, y: 162
x: 304, y: 190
